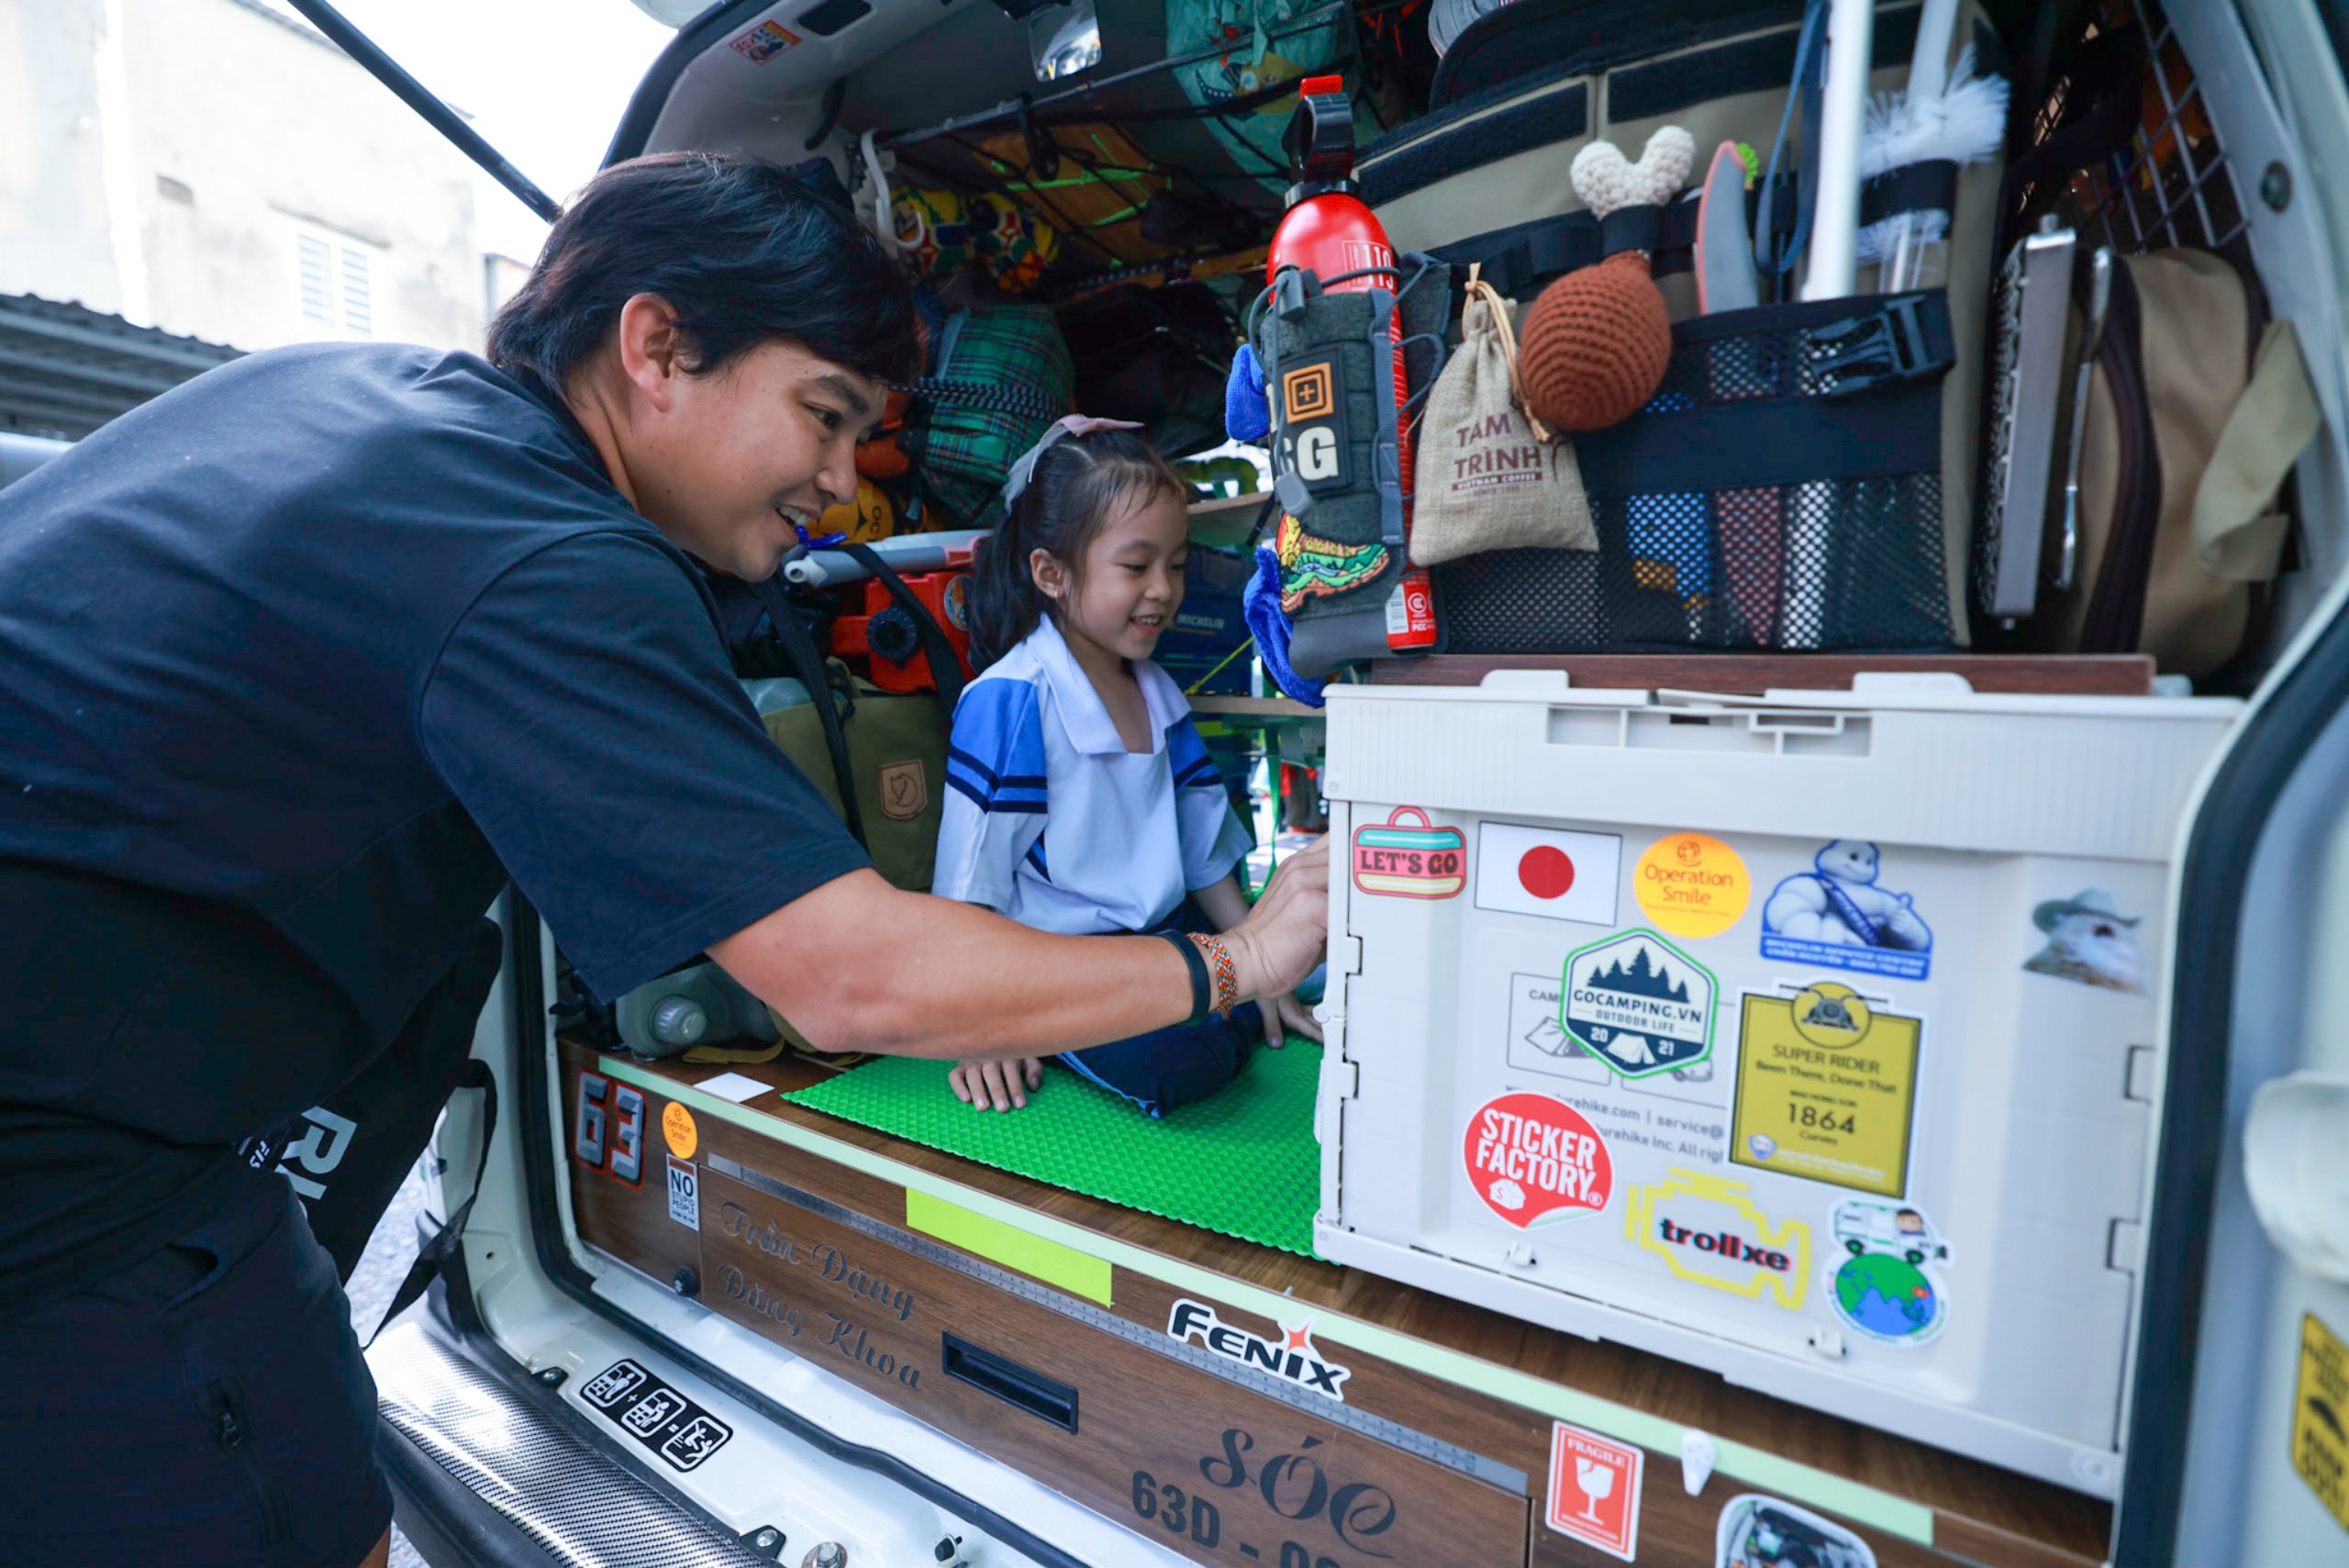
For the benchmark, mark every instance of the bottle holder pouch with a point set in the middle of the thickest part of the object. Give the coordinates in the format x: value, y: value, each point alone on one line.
x: 1782, y: 491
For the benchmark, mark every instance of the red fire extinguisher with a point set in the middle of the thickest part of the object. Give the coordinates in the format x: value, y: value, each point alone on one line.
x: 1329, y: 230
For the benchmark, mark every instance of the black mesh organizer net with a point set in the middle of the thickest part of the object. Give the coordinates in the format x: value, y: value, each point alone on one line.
x: 1782, y: 491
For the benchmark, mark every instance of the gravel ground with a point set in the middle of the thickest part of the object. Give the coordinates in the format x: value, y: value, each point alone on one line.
x: 379, y: 1273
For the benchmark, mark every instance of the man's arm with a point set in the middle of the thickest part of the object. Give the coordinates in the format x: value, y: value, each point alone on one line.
x: 933, y: 978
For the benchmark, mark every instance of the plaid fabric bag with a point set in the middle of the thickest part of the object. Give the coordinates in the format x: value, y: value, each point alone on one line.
x: 1003, y: 375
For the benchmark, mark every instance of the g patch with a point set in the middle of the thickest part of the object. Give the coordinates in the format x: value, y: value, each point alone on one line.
x: 1313, y: 434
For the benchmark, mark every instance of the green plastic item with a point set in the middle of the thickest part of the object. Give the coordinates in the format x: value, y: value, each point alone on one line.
x: 1243, y: 1164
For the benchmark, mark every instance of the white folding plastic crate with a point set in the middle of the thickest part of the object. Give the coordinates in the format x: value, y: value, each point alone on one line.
x: 1812, y: 1039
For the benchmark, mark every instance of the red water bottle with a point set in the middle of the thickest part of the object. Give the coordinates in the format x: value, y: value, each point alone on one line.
x: 1329, y: 232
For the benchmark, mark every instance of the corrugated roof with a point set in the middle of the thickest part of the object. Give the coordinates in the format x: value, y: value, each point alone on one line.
x: 66, y: 369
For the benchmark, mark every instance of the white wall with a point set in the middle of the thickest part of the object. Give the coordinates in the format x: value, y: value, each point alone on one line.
x: 161, y: 158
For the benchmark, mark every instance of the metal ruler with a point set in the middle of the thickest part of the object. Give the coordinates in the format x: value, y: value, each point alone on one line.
x: 1255, y: 1380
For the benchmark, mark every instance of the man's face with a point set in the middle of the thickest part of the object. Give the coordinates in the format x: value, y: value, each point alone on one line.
x: 739, y: 455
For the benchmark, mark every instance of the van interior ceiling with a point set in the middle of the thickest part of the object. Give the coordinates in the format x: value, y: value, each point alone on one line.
x: 1162, y: 162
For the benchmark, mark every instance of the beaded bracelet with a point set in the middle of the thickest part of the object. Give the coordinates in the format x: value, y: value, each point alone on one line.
x: 1226, y: 974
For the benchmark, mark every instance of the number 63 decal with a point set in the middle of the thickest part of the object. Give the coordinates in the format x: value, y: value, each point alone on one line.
x: 620, y: 1154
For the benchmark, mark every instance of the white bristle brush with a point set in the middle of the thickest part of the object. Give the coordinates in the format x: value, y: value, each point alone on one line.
x: 1963, y: 123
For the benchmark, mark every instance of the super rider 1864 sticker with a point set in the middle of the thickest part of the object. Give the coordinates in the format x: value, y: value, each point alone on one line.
x: 1534, y: 1160
x: 1826, y: 1086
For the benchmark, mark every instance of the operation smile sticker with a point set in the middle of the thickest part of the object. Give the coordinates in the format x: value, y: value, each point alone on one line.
x: 1826, y: 1089
x: 1535, y: 1160
x: 1692, y: 885
x: 677, y: 1129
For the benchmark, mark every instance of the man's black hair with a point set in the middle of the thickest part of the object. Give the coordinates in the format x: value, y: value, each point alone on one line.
x: 740, y: 250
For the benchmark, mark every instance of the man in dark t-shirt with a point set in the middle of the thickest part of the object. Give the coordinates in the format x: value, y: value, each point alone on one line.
x: 299, y: 663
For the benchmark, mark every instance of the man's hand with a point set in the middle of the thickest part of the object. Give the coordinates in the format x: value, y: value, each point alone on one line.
x: 1288, y: 930
x: 982, y: 1084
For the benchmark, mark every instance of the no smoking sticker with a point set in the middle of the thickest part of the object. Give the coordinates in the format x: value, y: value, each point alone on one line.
x: 1534, y: 1158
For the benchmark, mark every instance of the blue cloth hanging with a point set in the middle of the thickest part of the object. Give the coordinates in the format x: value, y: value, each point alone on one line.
x: 1247, y: 416
x: 1259, y: 604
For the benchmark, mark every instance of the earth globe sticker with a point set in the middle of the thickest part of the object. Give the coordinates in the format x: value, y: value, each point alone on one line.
x: 1882, y: 1286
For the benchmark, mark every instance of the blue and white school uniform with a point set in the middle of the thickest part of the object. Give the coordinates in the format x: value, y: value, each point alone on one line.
x: 1049, y: 819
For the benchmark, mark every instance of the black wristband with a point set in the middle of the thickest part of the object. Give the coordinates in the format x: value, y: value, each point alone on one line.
x: 1202, y: 985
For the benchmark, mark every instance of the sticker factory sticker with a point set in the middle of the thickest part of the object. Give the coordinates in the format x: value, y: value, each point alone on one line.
x: 764, y: 42
x: 1538, y: 871
x: 1398, y: 860
x: 1708, y: 1231
x: 2089, y: 942
x: 2321, y: 1418
x: 656, y: 1415
x: 1825, y: 1090
x: 1294, y: 1359
x: 677, y: 1130
x: 685, y: 1192
x: 1692, y: 885
x: 1638, y: 1005
x: 1595, y: 1490
x: 1835, y: 915
x: 1534, y: 1160
x: 1885, y: 1280
x: 1755, y: 1531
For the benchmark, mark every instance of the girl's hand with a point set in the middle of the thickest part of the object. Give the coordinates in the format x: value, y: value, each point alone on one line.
x: 997, y: 1083
x: 1285, y: 1015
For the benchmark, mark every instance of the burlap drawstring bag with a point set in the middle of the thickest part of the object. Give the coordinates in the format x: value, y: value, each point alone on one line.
x: 1491, y: 476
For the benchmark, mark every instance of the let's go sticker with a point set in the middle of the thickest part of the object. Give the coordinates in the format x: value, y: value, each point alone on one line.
x: 1408, y: 856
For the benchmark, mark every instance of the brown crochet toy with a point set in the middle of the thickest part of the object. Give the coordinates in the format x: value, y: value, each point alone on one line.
x: 1597, y: 341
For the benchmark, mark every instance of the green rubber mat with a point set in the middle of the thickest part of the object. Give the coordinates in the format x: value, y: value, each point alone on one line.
x: 1243, y: 1164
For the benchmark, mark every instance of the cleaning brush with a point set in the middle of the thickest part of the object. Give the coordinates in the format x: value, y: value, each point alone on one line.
x: 1963, y: 122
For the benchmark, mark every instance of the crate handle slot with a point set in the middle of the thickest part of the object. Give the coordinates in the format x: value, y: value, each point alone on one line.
x: 1008, y: 1380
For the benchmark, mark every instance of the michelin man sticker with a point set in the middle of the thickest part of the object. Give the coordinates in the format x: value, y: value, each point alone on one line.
x: 2089, y: 942
x: 1836, y: 915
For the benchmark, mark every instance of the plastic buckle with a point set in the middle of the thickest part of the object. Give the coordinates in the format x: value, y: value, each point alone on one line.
x: 1888, y: 344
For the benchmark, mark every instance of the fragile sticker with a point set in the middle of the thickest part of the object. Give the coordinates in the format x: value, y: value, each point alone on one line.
x: 1692, y: 885
x: 2321, y: 1418
x: 1638, y: 1005
x: 1408, y: 856
x: 685, y: 1192
x: 1838, y: 915
x: 2089, y: 942
x: 1595, y: 1490
x: 1556, y: 874
x: 1534, y: 1160
x: 1755, y: 1531
x: 1709, y: 1230
x: 764, y: 42
x: 1884, y: 1278
x: 1826, y: 1089
x: 677, y: 1129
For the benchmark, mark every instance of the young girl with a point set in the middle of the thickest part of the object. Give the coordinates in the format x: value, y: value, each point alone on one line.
x: 1082, y: 799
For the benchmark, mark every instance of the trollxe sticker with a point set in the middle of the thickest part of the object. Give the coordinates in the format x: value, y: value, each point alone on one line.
x: 1295, y: 1358
x: 1638, y: 1005
x: 1534, y: 1160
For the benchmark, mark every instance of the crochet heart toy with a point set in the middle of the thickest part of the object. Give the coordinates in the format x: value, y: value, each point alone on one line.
x: 1595, y: 343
